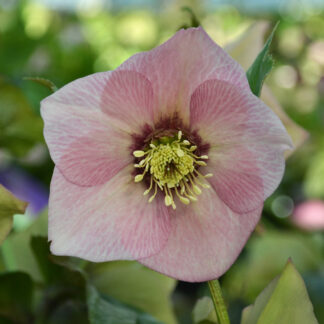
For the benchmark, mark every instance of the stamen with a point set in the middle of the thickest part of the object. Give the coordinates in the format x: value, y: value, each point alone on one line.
x: 180, y: 153
x: 139, y: 177
x: 138, y: 153
x: 168, y: 201
x: 196, y: 189
x: 155, y: 192
x: 208, y: 175
x: 202, y: 163
x: 184, y: 200
x: 149, y: 189
x: 172, y: 167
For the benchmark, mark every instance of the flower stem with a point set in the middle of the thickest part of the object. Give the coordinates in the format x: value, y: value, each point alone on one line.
x: 219, y: 304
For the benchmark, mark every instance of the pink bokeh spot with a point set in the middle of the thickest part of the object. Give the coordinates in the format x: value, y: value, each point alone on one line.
x: 309, y: 215
x: 92, y: 126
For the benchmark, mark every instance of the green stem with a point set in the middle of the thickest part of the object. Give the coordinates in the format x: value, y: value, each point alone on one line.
x: 219, y: 304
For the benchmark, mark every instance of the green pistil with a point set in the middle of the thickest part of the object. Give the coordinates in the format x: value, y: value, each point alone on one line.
x: 172, y: 167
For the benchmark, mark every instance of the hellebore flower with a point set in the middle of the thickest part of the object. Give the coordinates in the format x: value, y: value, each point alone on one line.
x: 166, y: 160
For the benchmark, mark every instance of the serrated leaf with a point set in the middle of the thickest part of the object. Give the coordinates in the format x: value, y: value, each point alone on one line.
x: 261, y: 67
x: 135, y: 285
x: 9, y: 206
x: 285, y: 300
x: 204, y: 311
x: 44, y: 82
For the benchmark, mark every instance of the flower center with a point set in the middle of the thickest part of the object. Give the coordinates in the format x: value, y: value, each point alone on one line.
x: 172, y: 165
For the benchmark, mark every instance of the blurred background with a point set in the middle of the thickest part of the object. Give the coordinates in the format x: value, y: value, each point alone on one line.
x: 62, y: 40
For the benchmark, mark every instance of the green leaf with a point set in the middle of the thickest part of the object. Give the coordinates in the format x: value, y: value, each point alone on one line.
x: 103, y: 309
x: 204, y: 312
x: 305, y: 250
x: 52, y: 272
x: 66, y: 286
x: 20, y: 127
x: 64, y: 295
x: 135, y: 285
x: 285, y: 300
x: 103, y: 312
x: 44, y: 82
x: 16, y: 295
x: 17, y: 252
x: 9, y: 206
x: 261, y: 67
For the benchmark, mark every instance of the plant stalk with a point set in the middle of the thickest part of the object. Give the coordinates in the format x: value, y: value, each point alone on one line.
x: 219, y: 304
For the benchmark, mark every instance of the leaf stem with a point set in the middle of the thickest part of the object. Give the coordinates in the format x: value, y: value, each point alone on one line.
x: 219, y: 304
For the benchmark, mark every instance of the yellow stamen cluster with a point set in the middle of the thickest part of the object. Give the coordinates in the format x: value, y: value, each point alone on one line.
x: 172, y: 166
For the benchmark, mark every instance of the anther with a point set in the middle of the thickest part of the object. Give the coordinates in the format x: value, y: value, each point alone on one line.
x: 196, y: 189
x: 192, y: 198
x: 204, y: 157
x: 139, y: 177
x: 138, y: 153
x: 168, y: 201
x: 184, y: 200
x: 202, y: 163
x: 180, y: 153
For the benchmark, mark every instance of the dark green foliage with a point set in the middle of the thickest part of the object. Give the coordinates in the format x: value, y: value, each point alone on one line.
x: 16, y: 295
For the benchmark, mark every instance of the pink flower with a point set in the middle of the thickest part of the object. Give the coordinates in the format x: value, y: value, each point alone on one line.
x: 166, y: 160
x: 309, y: 215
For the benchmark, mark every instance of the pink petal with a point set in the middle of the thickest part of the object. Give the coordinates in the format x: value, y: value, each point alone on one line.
x: 206, y: 239
x: 90, y: 146
x: 128, y: 100
x: 247, y: 142
x: 108, y: 222
x: 179, y: 65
